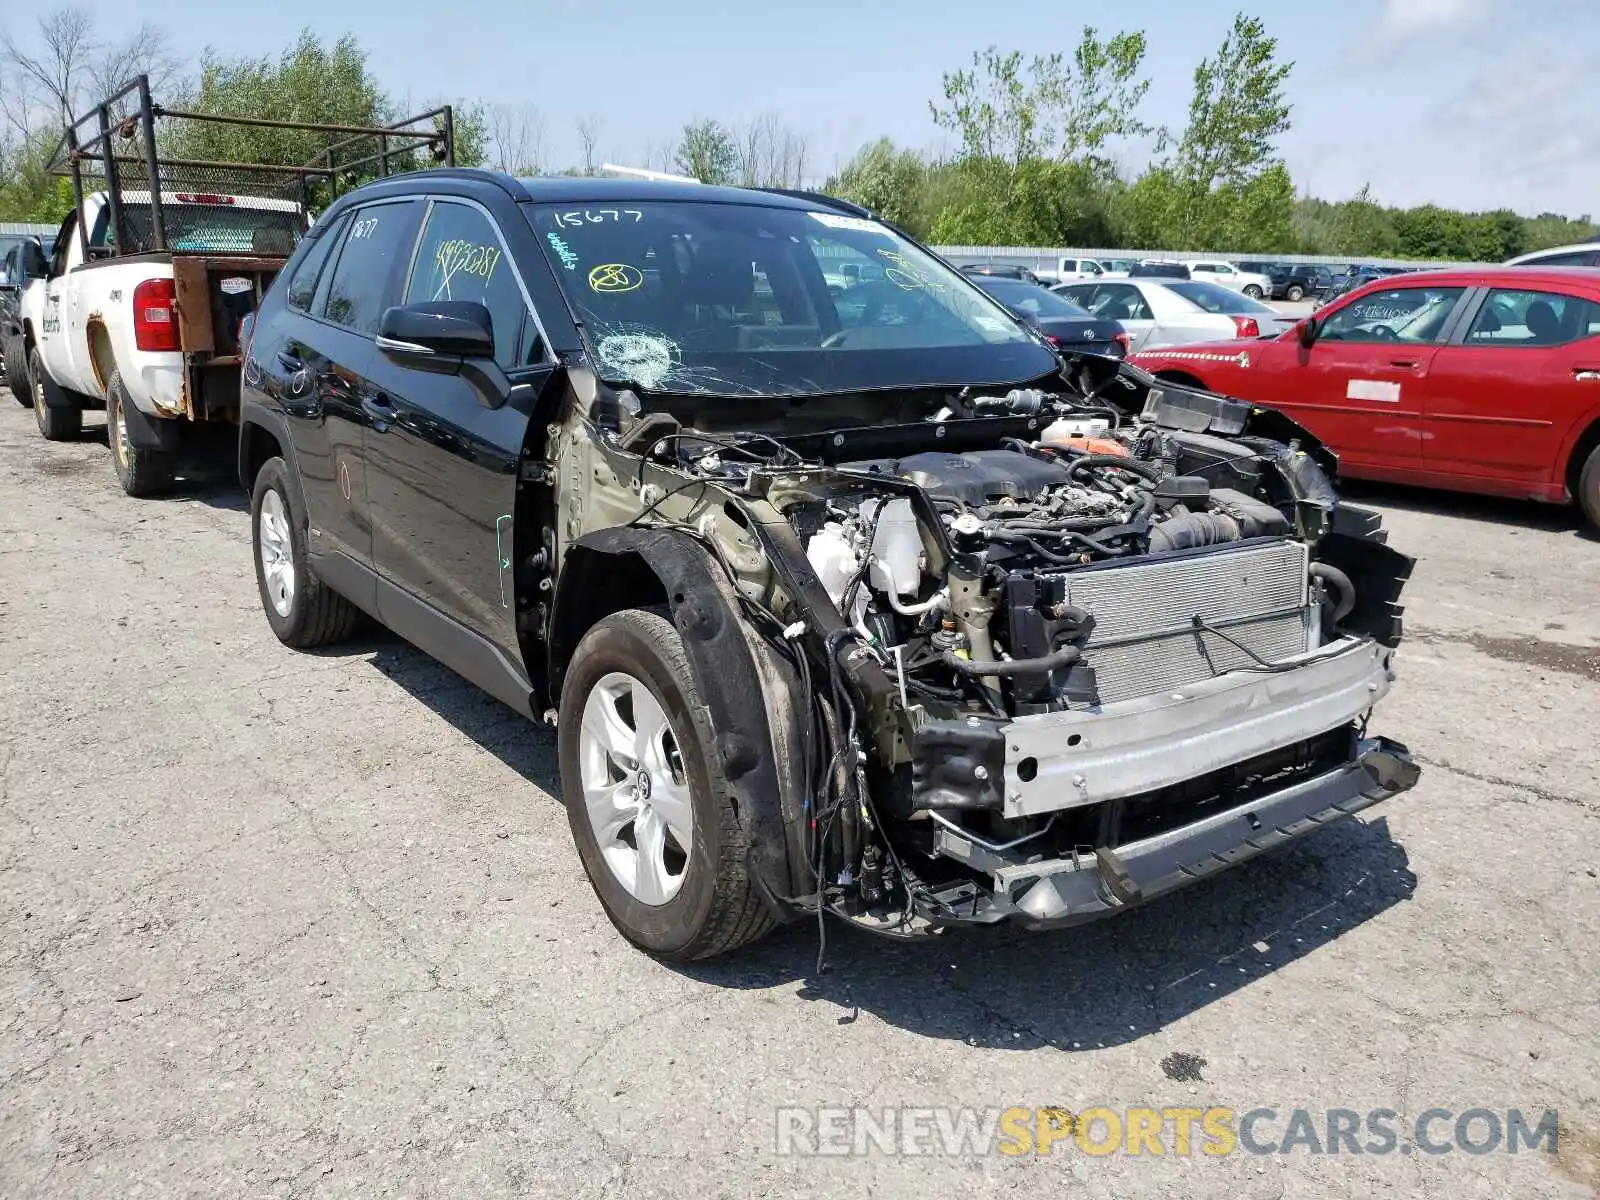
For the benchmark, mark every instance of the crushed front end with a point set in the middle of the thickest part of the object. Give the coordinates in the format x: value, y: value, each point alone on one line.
x: 1076, y: 660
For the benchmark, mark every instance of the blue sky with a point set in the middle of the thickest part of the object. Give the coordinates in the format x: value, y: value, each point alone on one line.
x: 1471, y: 103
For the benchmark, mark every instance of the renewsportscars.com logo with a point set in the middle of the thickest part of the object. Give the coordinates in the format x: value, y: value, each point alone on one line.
x: 1213, y: 1132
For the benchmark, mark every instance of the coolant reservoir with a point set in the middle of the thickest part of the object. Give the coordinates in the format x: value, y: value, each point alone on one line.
x: 835, y: 563
x: 896, y: 547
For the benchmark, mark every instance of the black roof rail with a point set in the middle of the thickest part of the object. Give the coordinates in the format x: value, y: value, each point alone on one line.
x: 845, y: 206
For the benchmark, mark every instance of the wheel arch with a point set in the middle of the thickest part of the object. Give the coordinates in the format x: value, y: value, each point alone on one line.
x: 263, y: 435
x: 1587, y: 441
x: 758, y: 743
x: 1185, y: 378
x: 102, y: 355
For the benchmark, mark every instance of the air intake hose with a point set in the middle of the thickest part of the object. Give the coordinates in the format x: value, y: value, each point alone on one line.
x: 1189, y: 530
x: 1337, y: 582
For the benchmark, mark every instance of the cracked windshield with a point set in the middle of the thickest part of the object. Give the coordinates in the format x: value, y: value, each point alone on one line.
x: 739, y: 300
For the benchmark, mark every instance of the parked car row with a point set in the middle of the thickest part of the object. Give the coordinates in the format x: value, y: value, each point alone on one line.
x: 1482, y: 381
x: 1168, y: 312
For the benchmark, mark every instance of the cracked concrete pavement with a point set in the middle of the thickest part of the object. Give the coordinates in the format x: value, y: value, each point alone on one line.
x: 287, y: 925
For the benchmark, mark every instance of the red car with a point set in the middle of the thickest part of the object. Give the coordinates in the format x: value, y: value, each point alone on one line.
x: 1481, y: 381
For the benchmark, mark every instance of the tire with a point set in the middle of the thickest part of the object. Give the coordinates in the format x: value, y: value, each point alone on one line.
x: 1295, y: 294
x: 140, y: 471
x: 17, y: 380
x: 58, y: 422
x: 1589, y: 488
x: 710, y: 906
x: 1253, y: 292
x: 306, y: 613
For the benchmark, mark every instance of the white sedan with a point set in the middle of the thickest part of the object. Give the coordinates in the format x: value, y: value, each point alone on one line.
x: 1171, y: 312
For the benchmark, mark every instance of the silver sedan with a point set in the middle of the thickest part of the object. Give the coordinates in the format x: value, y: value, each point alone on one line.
x: 1172, y: 312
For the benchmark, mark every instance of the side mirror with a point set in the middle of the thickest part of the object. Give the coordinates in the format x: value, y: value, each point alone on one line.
x: 1309, y: 329
x: 447, y: 337
x: 34, y: 265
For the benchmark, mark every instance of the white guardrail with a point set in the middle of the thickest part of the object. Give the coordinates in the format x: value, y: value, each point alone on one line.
x: 1045, y: 257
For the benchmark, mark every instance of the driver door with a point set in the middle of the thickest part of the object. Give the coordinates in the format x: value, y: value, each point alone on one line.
x: 1360, y: 385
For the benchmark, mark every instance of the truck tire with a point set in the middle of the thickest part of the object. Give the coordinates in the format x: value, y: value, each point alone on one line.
x: 656, y: 829
x: 1295, y: 294
x: 303, y: 611
x: 141, y: 471
x: 1589, y: 488
x: 57, y: 422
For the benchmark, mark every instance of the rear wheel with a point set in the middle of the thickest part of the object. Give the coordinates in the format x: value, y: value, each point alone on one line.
x: 59, y: 421
x: 302, y: 610
x: 1295, y: 294
x: 1254, y: 292
x: 141, y: 471
x: 1589, y: 488
x: 650, y: 807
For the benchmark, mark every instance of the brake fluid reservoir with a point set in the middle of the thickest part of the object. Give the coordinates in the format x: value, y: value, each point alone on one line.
x: 896, y: 547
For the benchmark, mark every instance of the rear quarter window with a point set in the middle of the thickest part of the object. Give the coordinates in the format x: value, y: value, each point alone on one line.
x: 303, y: 282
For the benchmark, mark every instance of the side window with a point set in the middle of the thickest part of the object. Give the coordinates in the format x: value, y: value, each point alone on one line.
x: 1121, y: 302
x: 358, y: 290
x: 1416, y: 314
x: 1082, y: 295
x: 303, y: 285
x: 461, y: 258
x: 58, y: 258
x: 1089, y: 267
x: 1510, y: 317
x: 1573, y: 258
x: 1202, y: 269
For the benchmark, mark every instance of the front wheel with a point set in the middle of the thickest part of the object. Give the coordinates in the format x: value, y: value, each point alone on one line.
x: 56, y: 422
x: 1295, y: 294
x: 650, y: 807
x: 1254, y: 292
x: 140, y: 470
x: 302, y: 610
x: 1589, y: 488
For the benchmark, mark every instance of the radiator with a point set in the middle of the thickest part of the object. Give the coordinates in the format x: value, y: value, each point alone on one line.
x: 1144, y: 638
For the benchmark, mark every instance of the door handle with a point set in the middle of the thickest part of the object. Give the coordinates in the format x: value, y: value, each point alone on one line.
x: 290, y: 361
x: 1586, y: 374
x: 1409, y: 364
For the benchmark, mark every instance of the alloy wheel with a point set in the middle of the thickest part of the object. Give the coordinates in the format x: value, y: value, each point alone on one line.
x: 635, y: 788
x: 276, y: 552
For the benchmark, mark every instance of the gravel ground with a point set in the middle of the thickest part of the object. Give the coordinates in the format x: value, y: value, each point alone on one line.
x: 275, y: 924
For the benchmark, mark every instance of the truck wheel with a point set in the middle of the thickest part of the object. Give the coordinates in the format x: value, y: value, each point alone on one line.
x: 1295, y: 294
x: 1253, y: 291
x: 649, y: 804
x: 302, y: 610
x: 1589, y: 488
x: 57, y: 422
x: 140, y: 471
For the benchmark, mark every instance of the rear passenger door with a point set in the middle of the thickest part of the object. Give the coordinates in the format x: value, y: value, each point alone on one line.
x: 1504, y: 393
x: 1125, y: 303
x: 322, y: 366
x: 444, y: 464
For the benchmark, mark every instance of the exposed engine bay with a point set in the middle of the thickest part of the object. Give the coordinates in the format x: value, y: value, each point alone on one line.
x: 1038, y: 633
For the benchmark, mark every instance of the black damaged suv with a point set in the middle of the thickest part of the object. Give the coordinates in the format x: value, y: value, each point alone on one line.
x: 846, y: 592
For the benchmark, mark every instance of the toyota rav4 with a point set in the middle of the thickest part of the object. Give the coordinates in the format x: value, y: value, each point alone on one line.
x: 853, y: 599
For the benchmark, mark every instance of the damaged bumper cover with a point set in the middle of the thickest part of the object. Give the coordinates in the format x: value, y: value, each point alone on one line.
x: 1064, y: 761
x: 1090, y: 884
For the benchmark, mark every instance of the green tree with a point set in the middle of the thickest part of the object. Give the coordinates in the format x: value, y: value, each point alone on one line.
x: 1103, y: 92
x: 886, y: 180
x: 1238, y: 110
x: 708, y: 152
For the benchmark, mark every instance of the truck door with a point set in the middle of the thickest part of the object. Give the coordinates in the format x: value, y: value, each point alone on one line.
x: 53, y: 340
x: 445, y: 464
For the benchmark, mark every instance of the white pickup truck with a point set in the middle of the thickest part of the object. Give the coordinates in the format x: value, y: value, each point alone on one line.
x: 148, y: 326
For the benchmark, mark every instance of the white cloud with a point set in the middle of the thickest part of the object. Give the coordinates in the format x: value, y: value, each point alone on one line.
x: 1403, y: 17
